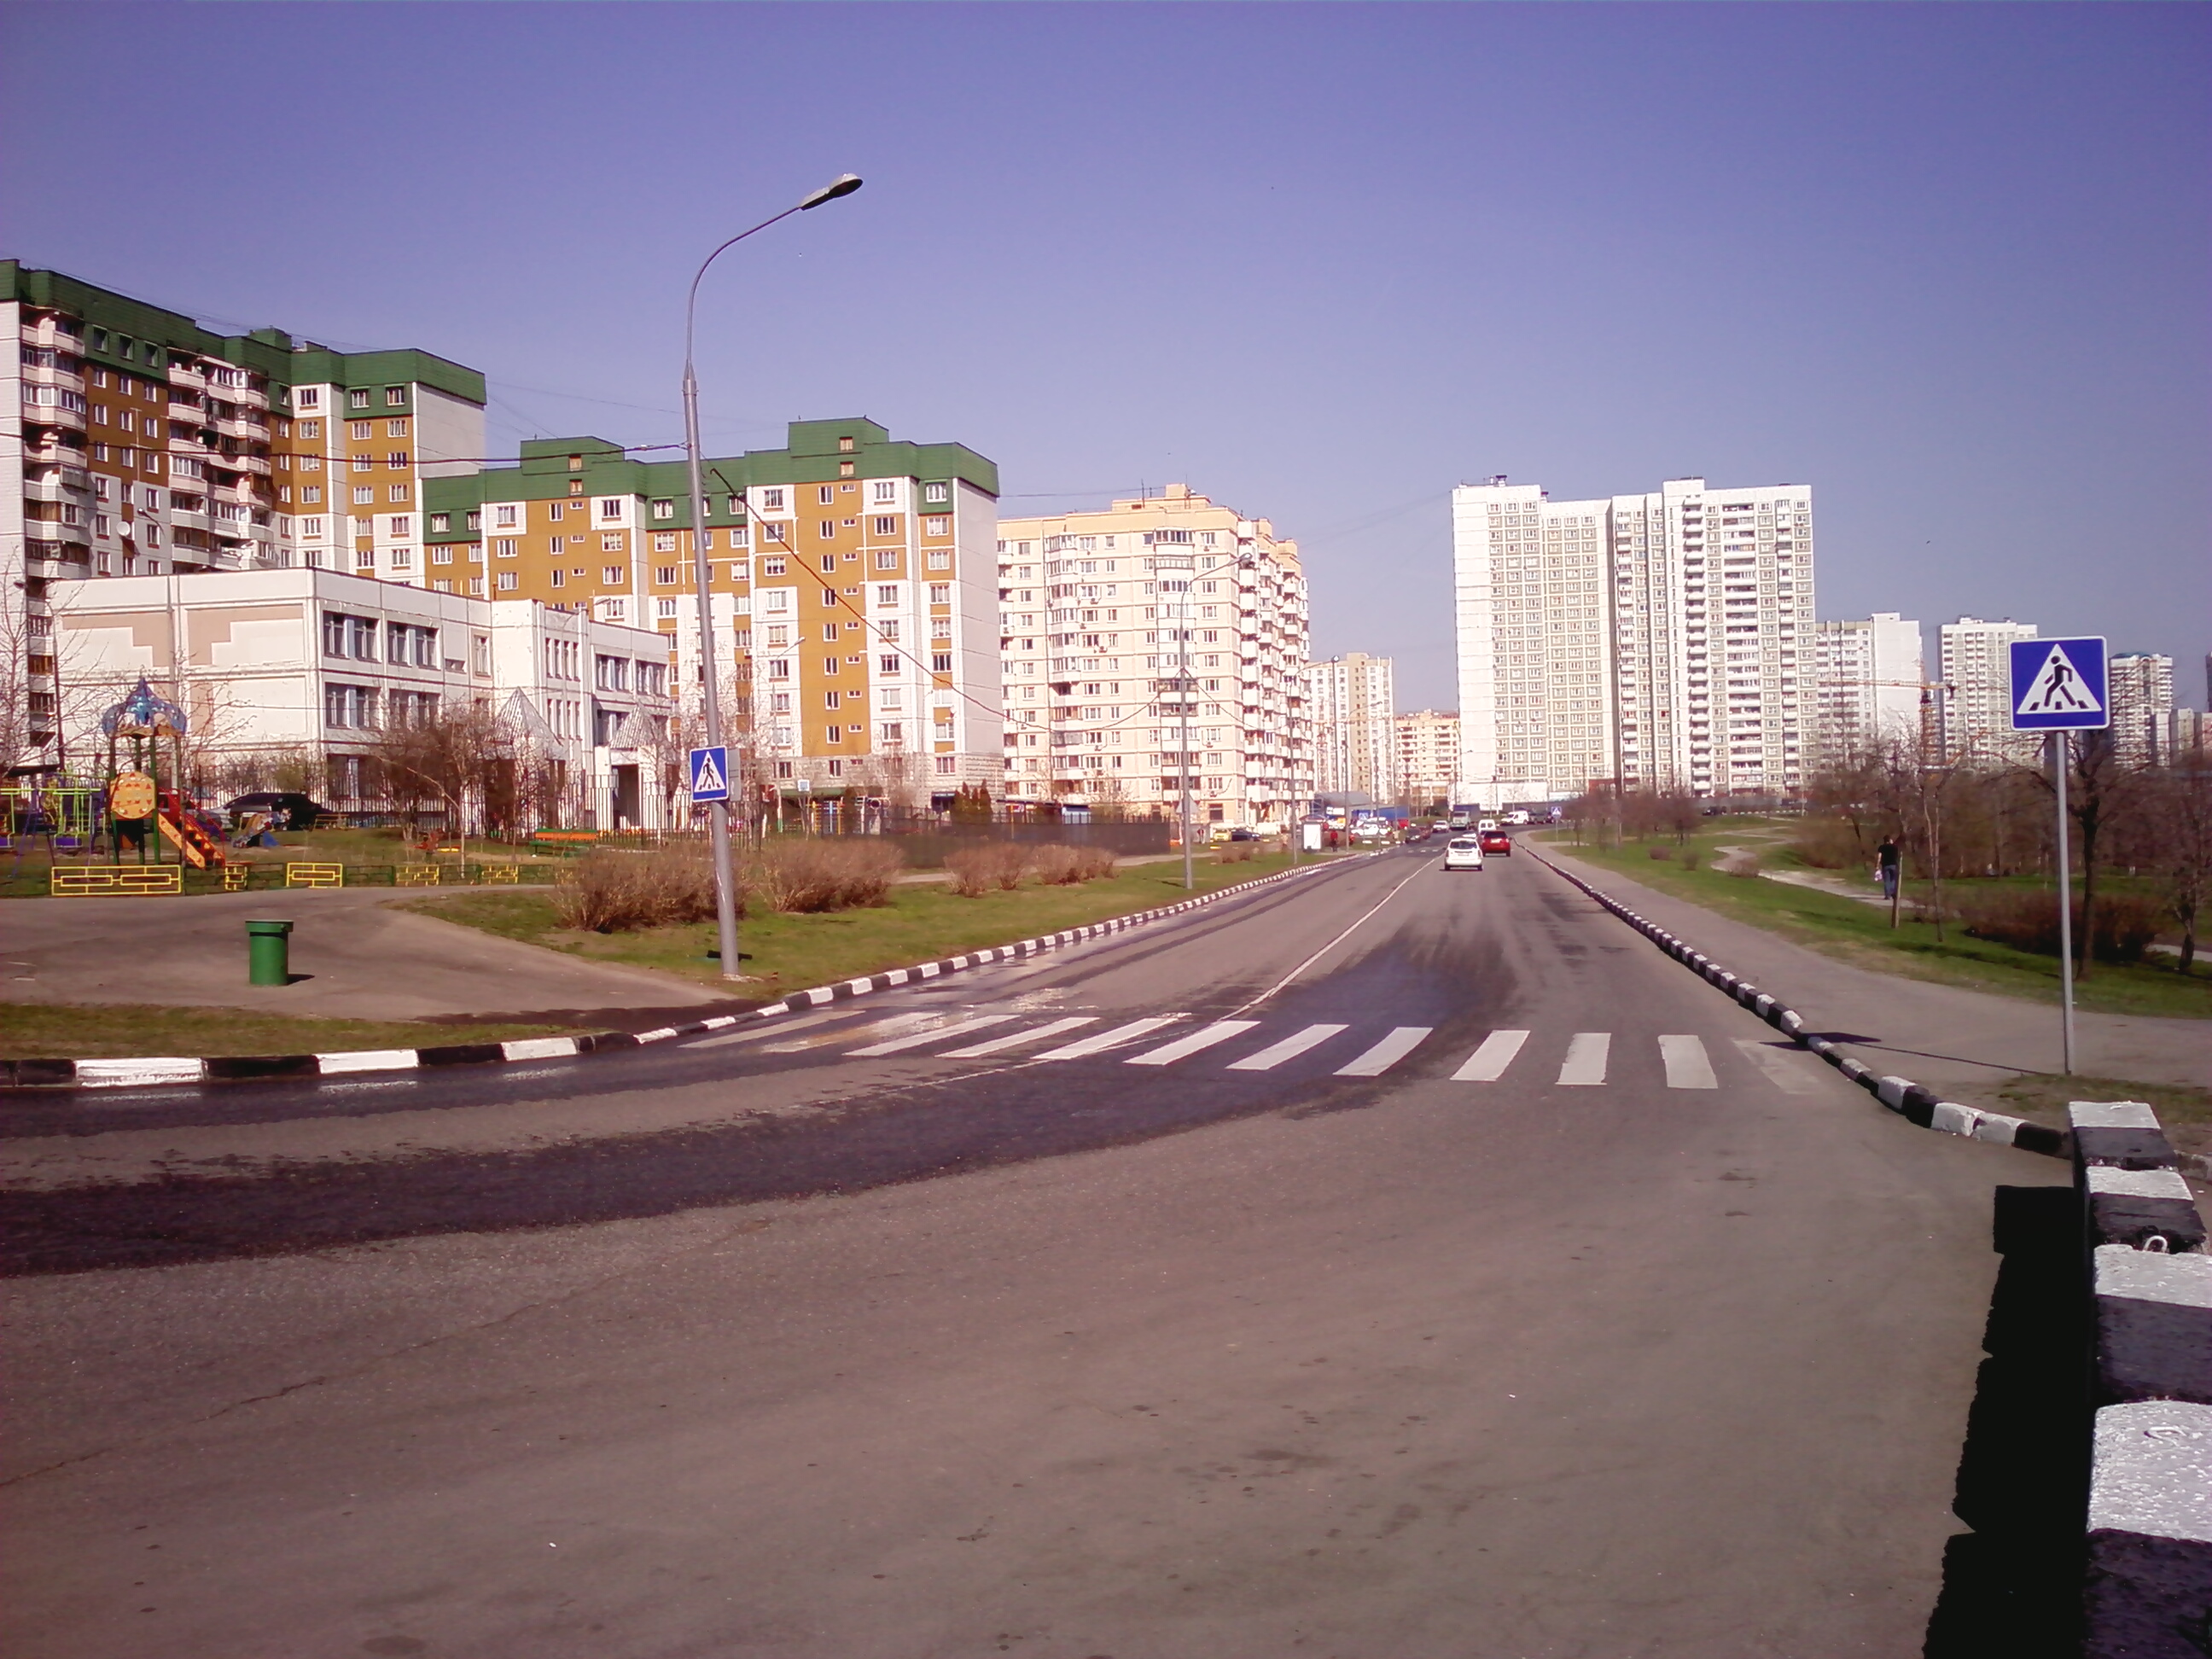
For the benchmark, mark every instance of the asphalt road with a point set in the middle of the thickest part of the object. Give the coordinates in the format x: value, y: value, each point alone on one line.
x: 1242, y: 1334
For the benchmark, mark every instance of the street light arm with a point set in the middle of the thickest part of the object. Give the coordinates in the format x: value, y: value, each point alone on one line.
x: 843, y: 184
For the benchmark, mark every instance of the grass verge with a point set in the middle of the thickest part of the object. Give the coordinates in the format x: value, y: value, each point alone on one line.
x: 39, y: 1031
x: 787, y: 953
x: 1842, y: 927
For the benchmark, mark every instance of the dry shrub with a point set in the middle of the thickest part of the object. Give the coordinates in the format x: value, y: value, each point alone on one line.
x: 797, y: 875
x: 1829, y: 844
x: 1689, y: 856
x: 607, y: 892
x: 2028, y: 920
x: 1236, y: 852
x: 977, y: 870
x: 1059, y: 866
x: 1659, y: 852
x: 1738, y: 863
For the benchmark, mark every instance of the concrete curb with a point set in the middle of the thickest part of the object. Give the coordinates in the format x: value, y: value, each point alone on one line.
x: 2148, y: 1585
x: 1908, y: 1099
x: 155, y: 1071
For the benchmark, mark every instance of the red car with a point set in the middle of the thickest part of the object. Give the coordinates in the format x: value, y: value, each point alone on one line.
x: 1497, y: 841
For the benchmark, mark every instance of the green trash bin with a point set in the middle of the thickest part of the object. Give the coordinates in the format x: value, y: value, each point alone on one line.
x: 269, y: 952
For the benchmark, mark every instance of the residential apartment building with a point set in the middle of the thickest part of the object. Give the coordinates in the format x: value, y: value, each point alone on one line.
x: 1352, y: 706
x: 1116, y: 624
x: 319, y: 666
x: 135, y: 442
x: 1977, y: 681
x: 2139, y: 691
x: 1427, y: 745
x: 852, y: 580
x: 1868, y: 693
x: 1658, y: 640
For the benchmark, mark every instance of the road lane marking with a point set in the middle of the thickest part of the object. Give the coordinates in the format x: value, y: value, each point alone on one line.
x: 1688, y: 1066
x: 1487, y: 1064
x: 934, y: 1035
x: 1327, y: 948
x: 1585, y: 1066
x: 1205, y: 1037
x: 762, y: 1034
x: 976, y: 1051
x: 1776, y: 1063
x: 1098, y: 1043
x: 1289, y: 1049
x: 1401, y: 1042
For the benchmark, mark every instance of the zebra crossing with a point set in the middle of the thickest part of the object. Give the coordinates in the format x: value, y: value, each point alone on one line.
x: 1585, y: 1060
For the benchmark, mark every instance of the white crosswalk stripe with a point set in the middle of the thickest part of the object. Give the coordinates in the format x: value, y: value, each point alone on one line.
x: 1401, y: 1042
x: 1099, y: 1041
x: 937, y: 1035
x: 1289, y: 1049
x: 1688, y: 1066
x: 1585, y: 1066
x: 997, y: 1045
x: 1205, y: 1037
x: 1487, y: 1064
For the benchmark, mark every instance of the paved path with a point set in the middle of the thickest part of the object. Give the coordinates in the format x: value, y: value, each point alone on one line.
x: 354, y: 956
x: 1946, y: 1037
x: 1244, y: 1285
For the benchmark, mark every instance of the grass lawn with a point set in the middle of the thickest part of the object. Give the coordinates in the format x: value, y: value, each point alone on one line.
x: 1860, y: 934
x: 31, y: 1030
x: 787, y: 953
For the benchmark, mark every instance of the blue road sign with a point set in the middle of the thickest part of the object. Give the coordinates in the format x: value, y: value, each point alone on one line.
x: 2058, y: 685
x: 710, y: 774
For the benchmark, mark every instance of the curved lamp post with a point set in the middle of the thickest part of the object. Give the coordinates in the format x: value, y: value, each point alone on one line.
x: 725, y: 905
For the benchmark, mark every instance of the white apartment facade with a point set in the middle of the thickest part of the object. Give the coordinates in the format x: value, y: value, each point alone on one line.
x: 312, y: 662
x: 1977, y: 691
x: 1114, y: 623
x: 2139, y: 688
x: 1658, y: 640
x: 1867, y: 675
x: 1353, y: 703
x: 1428, y: 744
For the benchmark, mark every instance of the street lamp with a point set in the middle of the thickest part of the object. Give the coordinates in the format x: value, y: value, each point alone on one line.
x: 726, y: 904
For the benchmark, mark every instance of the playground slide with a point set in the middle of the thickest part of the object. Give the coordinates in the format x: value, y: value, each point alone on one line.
x: 188, y: 838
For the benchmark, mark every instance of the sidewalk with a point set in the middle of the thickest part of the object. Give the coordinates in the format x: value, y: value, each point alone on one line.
x: 353, y: 957
x: 1963, y: 1043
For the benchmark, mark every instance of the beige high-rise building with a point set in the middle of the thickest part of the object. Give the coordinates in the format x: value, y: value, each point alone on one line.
x: 1869, y: 686
x: 1977, y: 676
x: 2139, y: 692
x: 1427, y: 742
x: 1121, y: 629
x: 1352, y: 699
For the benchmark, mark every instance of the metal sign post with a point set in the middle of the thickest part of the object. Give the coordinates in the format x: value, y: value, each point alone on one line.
x: 2059, y: 687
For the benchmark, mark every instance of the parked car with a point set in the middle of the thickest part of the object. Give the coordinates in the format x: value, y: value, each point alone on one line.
x: 1496, y: 841
x: 1463, y: 852
x: 1515, y: 820
x: 1240, y: 833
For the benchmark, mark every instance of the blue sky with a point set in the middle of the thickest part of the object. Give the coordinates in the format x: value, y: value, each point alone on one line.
x: 1947, y: 264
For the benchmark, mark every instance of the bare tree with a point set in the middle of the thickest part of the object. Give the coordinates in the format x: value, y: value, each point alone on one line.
x: 2175, y: 837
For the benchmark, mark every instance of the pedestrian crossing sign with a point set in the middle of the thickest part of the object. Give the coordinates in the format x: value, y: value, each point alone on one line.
x: 2058, y: 685
x: 710, y: 774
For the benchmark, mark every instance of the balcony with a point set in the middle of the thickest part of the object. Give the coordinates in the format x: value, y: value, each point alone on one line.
x: 66, y: 378
x: 52, y: 414
x: 67, y: 483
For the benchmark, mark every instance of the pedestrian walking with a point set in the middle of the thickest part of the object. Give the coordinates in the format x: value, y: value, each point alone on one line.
x: 1888, y: 863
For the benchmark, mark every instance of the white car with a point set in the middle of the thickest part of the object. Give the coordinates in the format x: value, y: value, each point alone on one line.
x: 1463, y: 852
x: 1517, y: 820
x: 1487, y: 823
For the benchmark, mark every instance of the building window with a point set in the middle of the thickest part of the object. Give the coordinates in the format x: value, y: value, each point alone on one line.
x: 937, y: 526
x: 887, y: 593
x: 940, y: 662
x: 940, y: 558
x: 613, y: 544
x: 506, y: 581
x: 937, y: 492
x: 558, y: 578
x: 401, y: 525
x: 610, y: 576
x: 395, y: 397
x: 665, y: 542
x: 357, y: 398
x: 611, y: 506
x: 396, y: 493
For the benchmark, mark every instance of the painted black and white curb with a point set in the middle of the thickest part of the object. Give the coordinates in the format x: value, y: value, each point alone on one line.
x: 1901, y: 1094
x: 2148, y: 1585
x: 158, y: 1071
